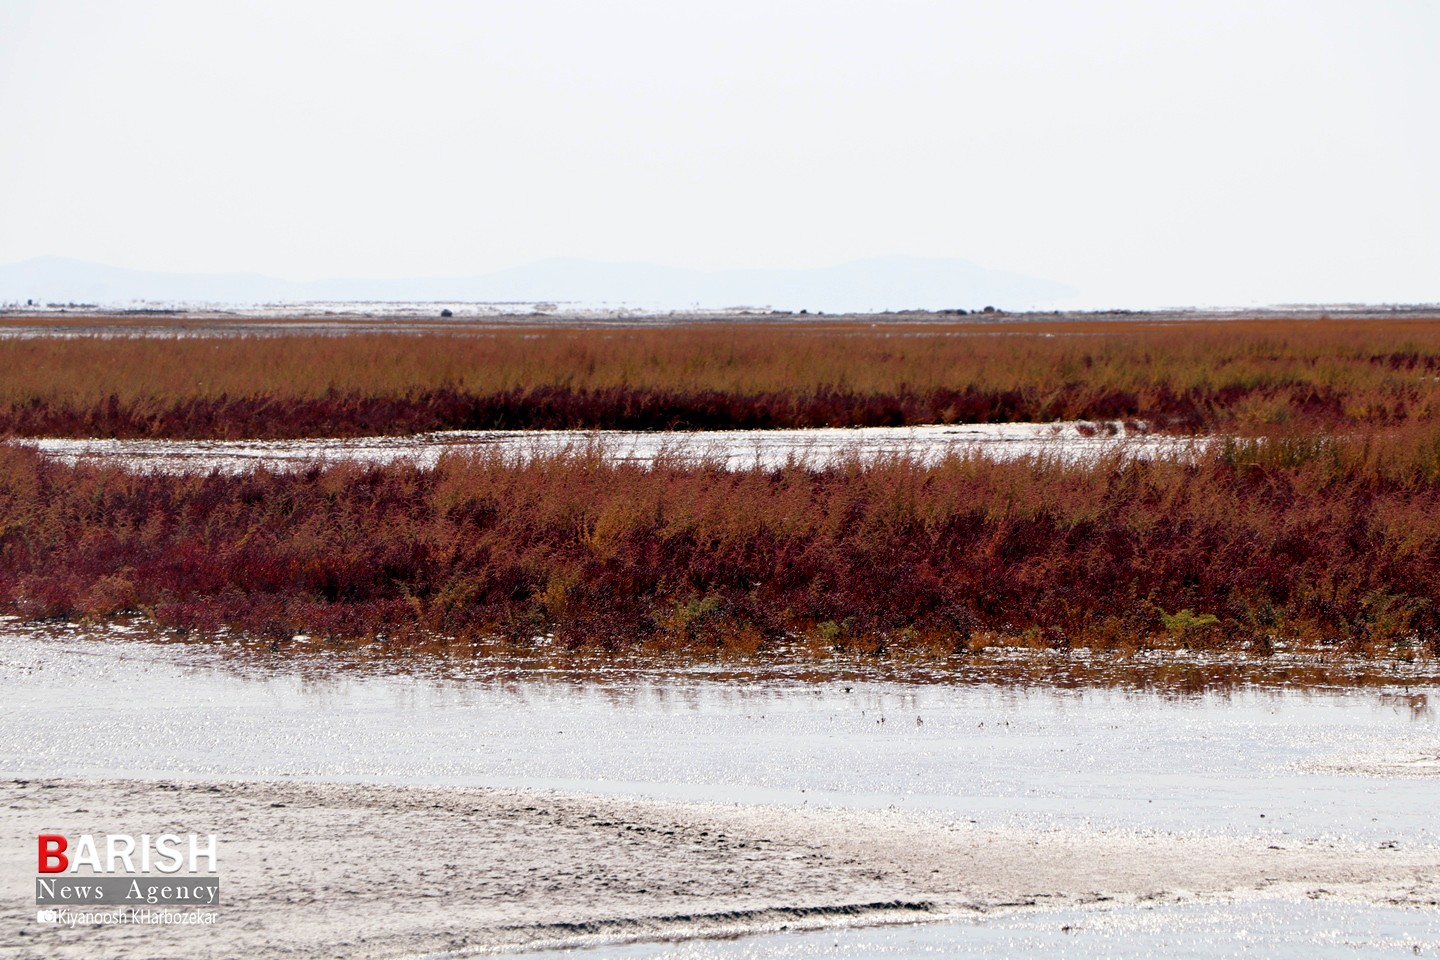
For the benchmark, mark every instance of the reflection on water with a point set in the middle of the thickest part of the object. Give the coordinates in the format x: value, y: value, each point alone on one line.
x: 1292, y: 764
x: 1166, y: 672
x: 1417, y: 704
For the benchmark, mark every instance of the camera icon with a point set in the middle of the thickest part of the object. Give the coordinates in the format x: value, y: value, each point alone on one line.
x: 47, y: 916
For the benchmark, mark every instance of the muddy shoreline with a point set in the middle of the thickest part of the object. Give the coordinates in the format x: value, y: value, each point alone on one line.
x: 311, y: 870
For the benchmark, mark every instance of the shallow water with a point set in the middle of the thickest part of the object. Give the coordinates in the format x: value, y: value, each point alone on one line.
x: 734, y: 448
x: 1289, y: 764
x: 1278, y: 929
x: 170, y: 319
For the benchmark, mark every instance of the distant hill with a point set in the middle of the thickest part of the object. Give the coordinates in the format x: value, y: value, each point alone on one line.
x: 885, y: 283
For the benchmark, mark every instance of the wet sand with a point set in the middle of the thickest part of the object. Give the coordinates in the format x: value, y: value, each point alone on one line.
x: 318, y: 870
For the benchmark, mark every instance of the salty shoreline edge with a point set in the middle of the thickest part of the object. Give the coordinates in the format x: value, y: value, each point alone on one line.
x: 324, y: 869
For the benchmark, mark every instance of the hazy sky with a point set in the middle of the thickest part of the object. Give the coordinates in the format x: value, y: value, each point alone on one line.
x: 1143, y: 152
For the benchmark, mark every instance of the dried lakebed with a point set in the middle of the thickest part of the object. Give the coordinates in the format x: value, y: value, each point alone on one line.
x: 736, y: 449
x: 371, y: 812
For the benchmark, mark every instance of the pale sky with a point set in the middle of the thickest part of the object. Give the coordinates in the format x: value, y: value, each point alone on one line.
x: 1146, y: 153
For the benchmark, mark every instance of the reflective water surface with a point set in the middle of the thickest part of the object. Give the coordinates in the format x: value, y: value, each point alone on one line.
x: 734, y: 448
x: 1296, y: 764
x: 1281, y: 762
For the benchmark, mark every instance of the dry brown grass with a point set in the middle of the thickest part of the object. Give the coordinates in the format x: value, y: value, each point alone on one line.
x: 1257, y: 375
x: 1321, y: 544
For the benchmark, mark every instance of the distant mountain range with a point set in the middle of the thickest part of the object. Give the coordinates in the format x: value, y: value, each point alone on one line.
x: 885, y: 283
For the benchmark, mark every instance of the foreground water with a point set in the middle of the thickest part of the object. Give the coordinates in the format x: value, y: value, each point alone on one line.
x: 736, y: 449
x: 1292, y: 764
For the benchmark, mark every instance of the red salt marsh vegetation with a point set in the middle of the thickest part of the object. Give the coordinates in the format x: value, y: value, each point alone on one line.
x: 1320, y: 543
x: 1315, y: 528
x: 1232, y: 375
